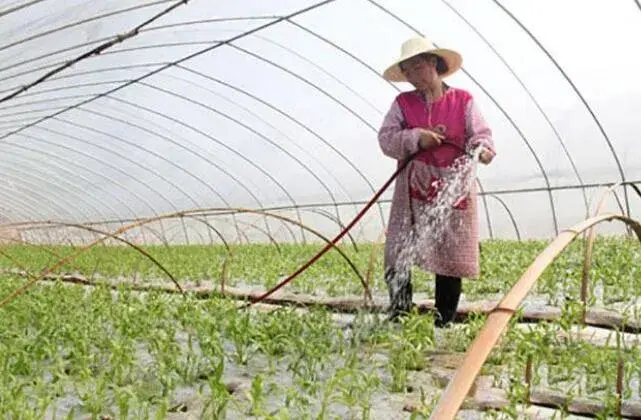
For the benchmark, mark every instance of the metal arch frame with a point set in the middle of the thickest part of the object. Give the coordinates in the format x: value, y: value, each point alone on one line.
x: 313, y: 85
x: 34, y: 171
x: 505, y: 114
x: 93, y: 158
x: 33, y: 174
x: 170, y: 64
x: 146, y: 150
x: 29, y: 207
x: 13, y: 124
x: 488, y: 219
x: 378, y: 74
x: 223, y: 170
x: 313, y: 174
x: 304, y: 80
x: 63, y: 179
x: 37, y: 197
x: 322, y: 70
x: 578, y: 93
x: 102, y: 176
x: 171, y: 237
x: 119, y: 156
x: 54, y: 156
x: 32, y: 111
x: 632, y: 184
x: 243, y: 186
x: 154, y: 46
x: 320, y: 211
x: 62, y: 88
x: 269, y: 236
x: 530, y: 95
x: 98, y: 41
x: 123, y: 157
x: 80, y: 73
x: 44, y: 101
x: 210, y: 227
x: 20, y: 7
x: 287, y: 116
x: 189, y: 173
x: 19, y: 120
x: 255, y: 132
x: 258, y: 167
x: 44, y: 67
x: 162, y: 115
x: 197, y: 178
x: 296, y: 206
x: 81, y: 22
x: 96, y: 51
x: 264, y: 121
x: 240, y: 233
x: 509, y: 213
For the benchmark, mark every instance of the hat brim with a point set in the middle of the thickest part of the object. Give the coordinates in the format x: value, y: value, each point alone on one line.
x: 453, y: 61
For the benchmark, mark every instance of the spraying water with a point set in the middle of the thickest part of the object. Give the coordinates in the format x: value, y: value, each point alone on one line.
x: 438, y: 220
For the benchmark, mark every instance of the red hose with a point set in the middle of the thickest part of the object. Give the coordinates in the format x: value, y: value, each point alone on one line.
x: 335, y: 240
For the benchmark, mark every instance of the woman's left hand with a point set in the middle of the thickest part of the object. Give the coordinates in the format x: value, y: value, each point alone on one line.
x: 486, y: 156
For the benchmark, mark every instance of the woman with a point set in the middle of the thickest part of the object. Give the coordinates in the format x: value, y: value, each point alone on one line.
x: 430, y: 225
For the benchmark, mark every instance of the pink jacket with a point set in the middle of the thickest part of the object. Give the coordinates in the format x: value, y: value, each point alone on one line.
x: 456, y: 116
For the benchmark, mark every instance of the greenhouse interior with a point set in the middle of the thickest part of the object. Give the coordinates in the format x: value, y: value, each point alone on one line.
x: 320, y: 209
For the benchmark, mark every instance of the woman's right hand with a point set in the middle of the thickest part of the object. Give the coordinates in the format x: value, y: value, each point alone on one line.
x: 429, y: 138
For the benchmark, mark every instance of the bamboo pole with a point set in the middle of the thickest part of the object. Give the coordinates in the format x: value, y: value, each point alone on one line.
x: 454, y: 395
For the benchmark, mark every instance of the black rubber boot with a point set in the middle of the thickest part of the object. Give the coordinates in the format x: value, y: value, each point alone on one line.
x: 448, y: 293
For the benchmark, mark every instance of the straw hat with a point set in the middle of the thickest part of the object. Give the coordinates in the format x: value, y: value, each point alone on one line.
x: 420, y: 45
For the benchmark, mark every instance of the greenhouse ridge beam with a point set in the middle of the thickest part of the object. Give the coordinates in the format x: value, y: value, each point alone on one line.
x: 503, y: 111
x: 578, y: 93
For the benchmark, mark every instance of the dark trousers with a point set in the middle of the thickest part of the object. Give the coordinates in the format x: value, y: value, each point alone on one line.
x: 448, y: 293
